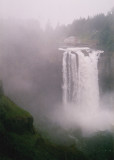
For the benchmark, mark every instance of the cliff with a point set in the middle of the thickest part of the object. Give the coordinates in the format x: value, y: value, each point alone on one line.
x: 106, y: 72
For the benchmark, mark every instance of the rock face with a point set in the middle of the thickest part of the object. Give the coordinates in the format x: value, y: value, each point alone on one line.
x: 106, y: 72
x: 71, y: 41
x: 106, y: 78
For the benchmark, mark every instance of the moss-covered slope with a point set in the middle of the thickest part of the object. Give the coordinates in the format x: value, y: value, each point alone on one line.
x: 19, y: 140
x: 13, y: 117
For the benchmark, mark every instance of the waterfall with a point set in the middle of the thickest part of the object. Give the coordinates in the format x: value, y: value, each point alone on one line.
x: 80, y: 77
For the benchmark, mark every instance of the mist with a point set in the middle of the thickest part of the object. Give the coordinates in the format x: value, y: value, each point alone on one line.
x: 82, y: 106
x: 63, y: 12
x: 31, y: 71
x: 32, y: 76
x: 56, y: 79
x: 73, y: 118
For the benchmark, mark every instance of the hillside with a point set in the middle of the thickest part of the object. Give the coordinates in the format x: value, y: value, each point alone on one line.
x: 19, y: 140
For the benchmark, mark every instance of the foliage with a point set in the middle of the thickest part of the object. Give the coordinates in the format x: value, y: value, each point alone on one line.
x: 12, y: 110
x: 95, y: 31
x: 27, y: 144
x: 99, y: 146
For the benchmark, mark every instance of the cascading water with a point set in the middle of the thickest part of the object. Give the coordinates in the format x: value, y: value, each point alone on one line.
x: 81, y: 107
x: 80, y: 77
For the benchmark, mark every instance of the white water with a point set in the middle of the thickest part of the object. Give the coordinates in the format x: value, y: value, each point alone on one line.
x: 80, y: 78
x: 81, y: 93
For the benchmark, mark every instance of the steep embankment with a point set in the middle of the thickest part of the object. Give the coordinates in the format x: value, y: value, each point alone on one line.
x: 20, y: 141
x: 16, y: 126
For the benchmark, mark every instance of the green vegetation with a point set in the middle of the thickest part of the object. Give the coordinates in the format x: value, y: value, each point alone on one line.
x: 99, y: 146
x: 97, y: 31
x: 19, y: 140
x: 13, y: 117
x: 13, y: 111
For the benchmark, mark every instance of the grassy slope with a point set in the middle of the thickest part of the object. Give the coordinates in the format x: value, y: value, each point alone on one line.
x: 6, y: 105
x: 19, y: 140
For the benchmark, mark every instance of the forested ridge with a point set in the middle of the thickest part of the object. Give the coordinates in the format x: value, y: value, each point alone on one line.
x: 97, y: 30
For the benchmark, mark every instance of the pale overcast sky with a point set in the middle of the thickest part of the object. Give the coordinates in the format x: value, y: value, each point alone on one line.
x: 63, y: 11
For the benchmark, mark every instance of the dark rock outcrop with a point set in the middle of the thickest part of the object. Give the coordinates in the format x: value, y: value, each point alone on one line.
x: 106, y: 72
